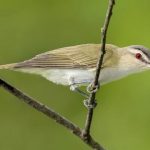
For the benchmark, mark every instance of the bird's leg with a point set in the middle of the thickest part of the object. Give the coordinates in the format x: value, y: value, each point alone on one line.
x: 75, y: 88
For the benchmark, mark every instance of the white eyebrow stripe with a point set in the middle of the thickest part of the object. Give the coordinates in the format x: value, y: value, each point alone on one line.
x: 144, y: 59
x: 143, y: 49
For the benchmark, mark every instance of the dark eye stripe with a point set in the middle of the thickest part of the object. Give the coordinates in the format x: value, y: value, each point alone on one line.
x: 143, y: 49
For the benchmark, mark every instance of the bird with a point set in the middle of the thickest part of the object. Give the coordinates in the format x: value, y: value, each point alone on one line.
x: 75, y: 66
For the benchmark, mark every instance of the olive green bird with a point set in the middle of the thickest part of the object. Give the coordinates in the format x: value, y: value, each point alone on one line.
x: 75, y: 66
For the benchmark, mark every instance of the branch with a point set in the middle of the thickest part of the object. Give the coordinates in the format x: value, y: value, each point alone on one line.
x: 50, y: 113
x: 91, y: 100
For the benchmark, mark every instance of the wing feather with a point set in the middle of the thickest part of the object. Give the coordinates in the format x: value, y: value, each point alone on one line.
x: 80, y: 56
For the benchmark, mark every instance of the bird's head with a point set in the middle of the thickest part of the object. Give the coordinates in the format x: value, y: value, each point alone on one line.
x: 134, y: 58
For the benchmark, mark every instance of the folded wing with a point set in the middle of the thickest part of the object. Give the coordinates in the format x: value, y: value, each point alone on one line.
x: 81, y: 56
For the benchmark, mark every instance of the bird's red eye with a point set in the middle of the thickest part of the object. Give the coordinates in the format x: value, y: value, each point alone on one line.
x: 138, y: 55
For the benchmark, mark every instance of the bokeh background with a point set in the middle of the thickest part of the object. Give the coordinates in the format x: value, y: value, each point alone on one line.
x: 30, y: 27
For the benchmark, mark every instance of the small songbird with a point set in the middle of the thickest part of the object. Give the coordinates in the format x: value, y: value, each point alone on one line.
x: 76, y: 65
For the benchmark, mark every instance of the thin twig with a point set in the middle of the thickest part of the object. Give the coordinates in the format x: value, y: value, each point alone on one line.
x: 91, y: 101
x: 50, y: 113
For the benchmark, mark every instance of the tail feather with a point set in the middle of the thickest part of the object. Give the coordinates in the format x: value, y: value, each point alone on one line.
x: 8, y: 66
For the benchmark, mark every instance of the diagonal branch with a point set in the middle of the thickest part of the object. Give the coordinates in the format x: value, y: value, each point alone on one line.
x: 50, y: 113
x: 91, y: 100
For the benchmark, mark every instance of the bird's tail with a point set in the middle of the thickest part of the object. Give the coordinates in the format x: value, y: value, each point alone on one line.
x: 8, y: 66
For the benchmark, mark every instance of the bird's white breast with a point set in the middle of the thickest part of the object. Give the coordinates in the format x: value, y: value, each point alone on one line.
x: 84, y: 77
x: 69, y: 76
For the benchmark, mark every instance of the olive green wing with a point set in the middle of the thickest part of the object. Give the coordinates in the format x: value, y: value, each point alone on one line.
x: 80, y: 56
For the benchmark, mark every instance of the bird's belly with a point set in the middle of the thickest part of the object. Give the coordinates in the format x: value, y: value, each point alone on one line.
x: 83, y: 77
x: 69, y: 76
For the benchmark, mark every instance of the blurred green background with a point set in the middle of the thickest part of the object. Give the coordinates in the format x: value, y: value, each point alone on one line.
x: 29, y: 27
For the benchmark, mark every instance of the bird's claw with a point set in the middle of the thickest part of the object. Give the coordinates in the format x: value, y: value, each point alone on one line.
x: 88, y: 105
x: 92, y: 89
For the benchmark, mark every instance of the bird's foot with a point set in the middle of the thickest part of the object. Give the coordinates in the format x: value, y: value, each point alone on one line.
x: 88, y: 105
x: 92, y: 89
